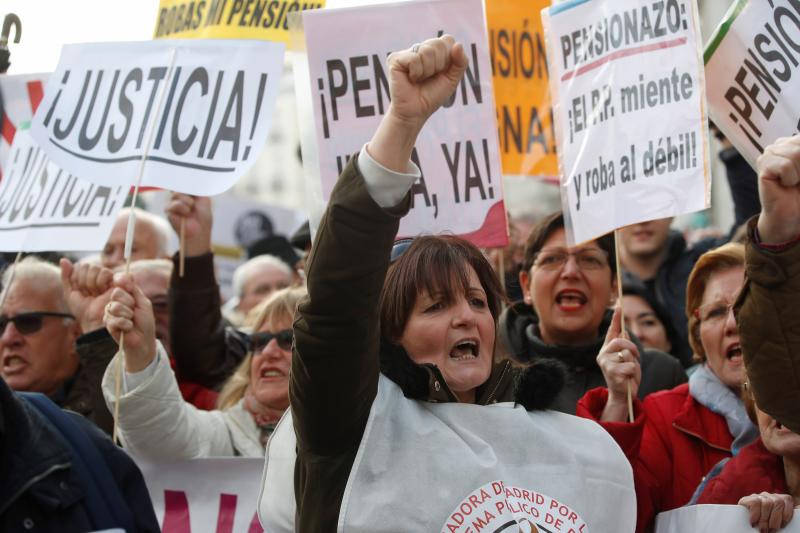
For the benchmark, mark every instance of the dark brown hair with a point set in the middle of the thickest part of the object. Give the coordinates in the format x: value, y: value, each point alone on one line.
x: 436, y: 264
x: 547, y: 226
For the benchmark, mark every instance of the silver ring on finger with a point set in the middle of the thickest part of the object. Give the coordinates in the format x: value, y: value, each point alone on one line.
x: 415, y: 48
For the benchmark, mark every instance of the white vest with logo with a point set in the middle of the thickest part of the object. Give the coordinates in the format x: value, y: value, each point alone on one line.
x: 464, y: 468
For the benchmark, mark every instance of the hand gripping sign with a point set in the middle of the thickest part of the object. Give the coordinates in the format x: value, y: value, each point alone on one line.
x: 713, y: 518
x: 627, y: 83
x: 753, y: 70
x: 198, y: 110
x: 461, y: 186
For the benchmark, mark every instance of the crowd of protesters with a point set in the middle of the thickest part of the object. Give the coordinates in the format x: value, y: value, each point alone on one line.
x: 347, y: 368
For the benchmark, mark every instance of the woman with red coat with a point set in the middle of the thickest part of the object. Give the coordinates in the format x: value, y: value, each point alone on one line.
x: 680, y: 434
x: 764, y: 477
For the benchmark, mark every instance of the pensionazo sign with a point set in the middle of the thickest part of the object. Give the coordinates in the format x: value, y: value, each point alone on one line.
x: 198, y: 110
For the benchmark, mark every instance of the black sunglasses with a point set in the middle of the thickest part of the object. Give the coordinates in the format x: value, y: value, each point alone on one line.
x: 258, y: 341
x: 28, y: 323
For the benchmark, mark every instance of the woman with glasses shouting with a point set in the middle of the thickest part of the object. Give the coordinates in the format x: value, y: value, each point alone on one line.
x: 680, y: 434
x: 154, y: 420
x: 402, y: 418
x: 565, y: 314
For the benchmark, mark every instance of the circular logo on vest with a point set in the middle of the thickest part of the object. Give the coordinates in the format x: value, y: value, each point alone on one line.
x: 496, y: 507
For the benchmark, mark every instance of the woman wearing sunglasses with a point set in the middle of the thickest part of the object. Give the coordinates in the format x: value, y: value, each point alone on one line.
x: 154, y: 421
x: 401, y: 418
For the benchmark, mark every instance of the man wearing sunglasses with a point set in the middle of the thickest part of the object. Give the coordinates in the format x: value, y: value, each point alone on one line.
x: 37, y: 331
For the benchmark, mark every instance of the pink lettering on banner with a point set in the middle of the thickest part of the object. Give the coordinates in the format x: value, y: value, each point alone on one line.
x: 227, y: 512
x: 176, y: 512
x: 255, y: 525
x: 177, y: 519
x: 496, y: 504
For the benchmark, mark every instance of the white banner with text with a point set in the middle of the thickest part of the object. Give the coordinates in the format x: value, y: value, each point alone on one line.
x: 199, y: 110
x: 43, y: 208
x: 627, y: 83
x: 461, y: 189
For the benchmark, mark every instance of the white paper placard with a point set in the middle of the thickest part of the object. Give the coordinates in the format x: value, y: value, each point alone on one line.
x: 45, y: 208
x: 712, y: 519
x: 627, y: 83
x: 753, y: 72
x: 461, y: 187
x: 215, y: 99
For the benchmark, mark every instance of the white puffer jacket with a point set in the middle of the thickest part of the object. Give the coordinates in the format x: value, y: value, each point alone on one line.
x: 155, y: 423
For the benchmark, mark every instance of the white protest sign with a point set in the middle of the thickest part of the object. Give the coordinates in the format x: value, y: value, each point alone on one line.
x: 217, y: 495
x: 45, y: 208
x: 713, y: 519
x: 753, y: 72
x: 627, y: 84
x: 19, y: 97
x: 461, y: 186
x: 100, y: 106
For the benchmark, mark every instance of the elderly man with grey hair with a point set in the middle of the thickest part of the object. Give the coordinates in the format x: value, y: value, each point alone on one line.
x: 150, y: 238
x: 40, y: 338
x: 256, y: 279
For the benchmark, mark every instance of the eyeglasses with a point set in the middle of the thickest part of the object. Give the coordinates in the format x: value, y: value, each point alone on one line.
x: 259, y: 341
x: 29, y: 323
x: 713, y: 313
x: 587, y: 259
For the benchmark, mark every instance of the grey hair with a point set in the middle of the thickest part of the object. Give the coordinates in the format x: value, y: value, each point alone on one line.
x: 159, y: 224
x: 149, y: 265
x: 245, y: 270
x: 46, y: 275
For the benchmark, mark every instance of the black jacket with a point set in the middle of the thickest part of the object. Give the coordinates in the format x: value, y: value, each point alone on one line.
x: 519, y: 332
x: 39, y: 490
x: 206, y: 348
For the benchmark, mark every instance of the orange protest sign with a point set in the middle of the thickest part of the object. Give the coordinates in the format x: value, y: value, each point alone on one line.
x: 521, y: 92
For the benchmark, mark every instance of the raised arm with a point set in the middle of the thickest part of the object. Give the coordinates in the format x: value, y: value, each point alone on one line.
x: 335, y: 366
x: 204, y: 349
x: 154, y: 421
x: 769, y: 324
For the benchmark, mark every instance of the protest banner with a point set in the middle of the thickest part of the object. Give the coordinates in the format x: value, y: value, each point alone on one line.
x: 627, y: 83
x: 19, y: 97
x: 100, y: 105
x: 712, y: 519
x: 346, y: 86
x: 223, y: 19
x: 45, y: 208
x: 238, y: 222
x: 521, y: 90
x: 753, y: 71
x: 216, y: 495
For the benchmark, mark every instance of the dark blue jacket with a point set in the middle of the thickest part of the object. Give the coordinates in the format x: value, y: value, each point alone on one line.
x: 39, y: 488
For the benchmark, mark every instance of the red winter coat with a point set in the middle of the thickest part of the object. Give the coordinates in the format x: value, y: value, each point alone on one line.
x: 672, y: 443
x: 754, y: 469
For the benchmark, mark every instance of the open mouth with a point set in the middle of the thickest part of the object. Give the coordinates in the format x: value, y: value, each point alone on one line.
x: 268, y: 373
x: 734, y: 350
x: 13, y: 363
x: 571, y: 299
x: 465, y: 350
